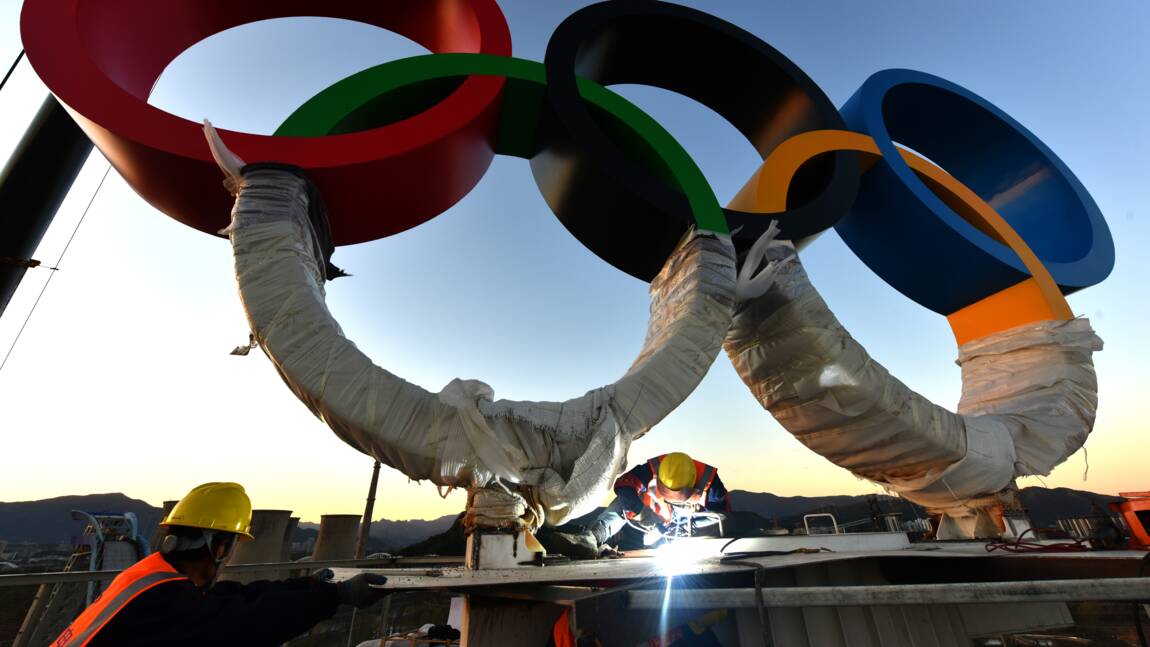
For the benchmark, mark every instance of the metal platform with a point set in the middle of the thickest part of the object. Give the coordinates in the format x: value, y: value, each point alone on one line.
x: 704, y: 557
x: 825, y: 590
x: 846, y: 589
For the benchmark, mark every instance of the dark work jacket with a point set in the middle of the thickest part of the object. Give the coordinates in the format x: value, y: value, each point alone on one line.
x: 229, y: 613
x: 637, y: 484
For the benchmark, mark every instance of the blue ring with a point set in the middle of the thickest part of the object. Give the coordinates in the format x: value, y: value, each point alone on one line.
x: 943, y: 262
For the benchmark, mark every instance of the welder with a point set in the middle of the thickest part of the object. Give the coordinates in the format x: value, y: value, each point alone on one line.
x: 668, y: 495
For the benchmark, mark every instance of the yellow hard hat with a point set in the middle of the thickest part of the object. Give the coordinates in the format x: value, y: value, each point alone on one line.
x: 676, y: 471
x: 214, y: 506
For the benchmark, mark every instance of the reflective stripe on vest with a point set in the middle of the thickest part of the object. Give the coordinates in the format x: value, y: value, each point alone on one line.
x: 703, y: 482
x: 654, y: 465
x: 143, y: 575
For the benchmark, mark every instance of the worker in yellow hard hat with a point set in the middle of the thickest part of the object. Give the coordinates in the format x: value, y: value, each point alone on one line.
x: 669, y: 495
x: 171, y: 597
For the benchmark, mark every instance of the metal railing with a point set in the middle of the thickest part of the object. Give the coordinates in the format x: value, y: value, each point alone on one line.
x: 33, y: 579
x: 808, y: 517
x: 1111, y: 589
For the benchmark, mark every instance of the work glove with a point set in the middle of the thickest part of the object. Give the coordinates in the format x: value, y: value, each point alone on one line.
x: 361, y: 591
x: 648, y: 519
x: 229, y: 162
x: 753, y: 282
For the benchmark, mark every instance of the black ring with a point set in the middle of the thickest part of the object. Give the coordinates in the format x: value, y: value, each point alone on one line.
x: 616, y: 207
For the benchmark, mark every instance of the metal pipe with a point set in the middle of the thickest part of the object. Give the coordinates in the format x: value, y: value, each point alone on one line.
x: 32, y: 187
x: 1117, y: 588
x: 396, y: 563
x: 808, y: 517
x: 32, y: 616
x: 365, y: 527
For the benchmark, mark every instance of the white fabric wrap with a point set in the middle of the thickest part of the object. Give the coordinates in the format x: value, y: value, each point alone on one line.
x: 562, y: 455
x: 1029, y: 396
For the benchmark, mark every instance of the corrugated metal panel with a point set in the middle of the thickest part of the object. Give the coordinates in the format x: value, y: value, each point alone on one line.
x: 787, y: 626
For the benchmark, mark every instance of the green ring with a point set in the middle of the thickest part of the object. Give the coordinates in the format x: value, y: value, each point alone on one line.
x: 398, y: 89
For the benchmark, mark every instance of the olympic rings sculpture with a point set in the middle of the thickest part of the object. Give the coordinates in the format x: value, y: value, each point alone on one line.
x: 992, y: 228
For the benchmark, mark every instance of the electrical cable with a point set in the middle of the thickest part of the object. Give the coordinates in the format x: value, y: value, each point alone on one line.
x: 689, y: 518
x: 734, y: 558
x: 35, y: 303
x: 1020, y: 546
x: 11, y: 69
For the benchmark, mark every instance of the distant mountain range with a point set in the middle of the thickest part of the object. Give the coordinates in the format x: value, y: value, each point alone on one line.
x: 390, y: 536
x: 785, y: 511
x: 1045, y: 506
x: 49, y: 521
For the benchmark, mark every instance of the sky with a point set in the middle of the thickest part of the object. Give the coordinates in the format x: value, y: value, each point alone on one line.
x: 122, y: 380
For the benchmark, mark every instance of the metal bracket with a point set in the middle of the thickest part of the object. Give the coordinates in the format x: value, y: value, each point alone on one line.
x: 500, y: 548
x: 26, y: 263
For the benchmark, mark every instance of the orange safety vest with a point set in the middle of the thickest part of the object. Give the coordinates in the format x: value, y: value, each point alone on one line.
x: 704, y: 475
x: 141, y: 576
x: 561, y: 633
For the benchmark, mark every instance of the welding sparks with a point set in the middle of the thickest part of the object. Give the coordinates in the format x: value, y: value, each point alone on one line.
x: 677, y: 558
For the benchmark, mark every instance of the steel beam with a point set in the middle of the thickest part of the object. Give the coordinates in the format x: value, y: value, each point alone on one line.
x: 32, y: 187
x: 1124, y: 588
x: 403, y: 565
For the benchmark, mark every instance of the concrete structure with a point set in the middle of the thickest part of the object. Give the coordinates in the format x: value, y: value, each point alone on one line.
x: 268, y: 527
x: 158, y: 531
x: 338, y: 534
x: 289, y: 533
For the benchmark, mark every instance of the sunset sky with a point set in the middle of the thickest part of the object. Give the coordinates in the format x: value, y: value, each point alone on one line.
x: 123, y: 382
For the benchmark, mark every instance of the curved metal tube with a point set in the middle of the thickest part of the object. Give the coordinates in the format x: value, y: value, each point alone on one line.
x: 560, y: 455
x: 1029, y: 397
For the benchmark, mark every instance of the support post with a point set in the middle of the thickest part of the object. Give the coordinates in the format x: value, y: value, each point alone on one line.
x: 368, y: 510
x: 33, y: 184
x: 500, y: 621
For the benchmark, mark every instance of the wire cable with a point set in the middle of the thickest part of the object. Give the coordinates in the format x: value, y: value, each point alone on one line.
x: 50, y: 276
x: 1020, y: 546
x: 11, y: 69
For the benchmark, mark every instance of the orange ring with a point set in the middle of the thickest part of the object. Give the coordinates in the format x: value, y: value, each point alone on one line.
x: 1035, y: 299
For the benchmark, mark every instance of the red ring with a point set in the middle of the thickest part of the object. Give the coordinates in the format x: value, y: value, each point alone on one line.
x: 102, y: 57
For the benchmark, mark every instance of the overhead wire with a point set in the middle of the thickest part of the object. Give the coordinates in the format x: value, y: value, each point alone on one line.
x: 64, y: 251
x: 12, y: 69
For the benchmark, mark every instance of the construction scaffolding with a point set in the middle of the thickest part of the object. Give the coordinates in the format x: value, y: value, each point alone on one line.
x: 109, y: 543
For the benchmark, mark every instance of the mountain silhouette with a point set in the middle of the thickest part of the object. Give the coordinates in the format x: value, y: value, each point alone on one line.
x: 49, y: 521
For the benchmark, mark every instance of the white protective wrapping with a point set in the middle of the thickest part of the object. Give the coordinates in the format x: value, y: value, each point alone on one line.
x: 563, y: 455
x: 1028, y: 398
